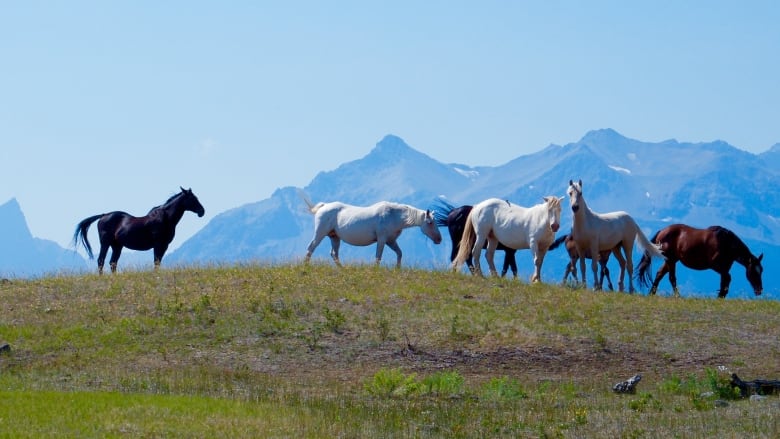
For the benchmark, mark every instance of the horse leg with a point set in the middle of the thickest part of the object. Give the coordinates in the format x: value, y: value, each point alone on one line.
x: 394, y: 246
x: 605, y: 273
x: 313, y: 245
x: 629, y: 250
x: 490, y: 255
x: 102, y: 257
x: 582, y: 270
x: 476, y: 252
x: 621, y: 263
x: 159, y: 252
x: 566, y: 273
x: 335, y: 243
x: 505, y: 268
x: 380, y: 248
x: 539, y: 254
x: 512, y: 261
x: 725, y: 280
x: 673, y: 279
x: 594, y: 266
x: 660, y: 275
x: 116, y: 251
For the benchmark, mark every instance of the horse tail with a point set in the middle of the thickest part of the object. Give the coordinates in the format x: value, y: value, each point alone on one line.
x: 466, y: 243
x: 80, y: 235
x: 648, y: 246
x: 558, y: 241
x: 643, y: 268
x: 311, y: 207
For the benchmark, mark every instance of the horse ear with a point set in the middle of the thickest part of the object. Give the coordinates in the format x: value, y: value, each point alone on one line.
x: 561, y: 199
x: 571, y: 182
x: 580, y: 183
x: 182, y: 189
x: 760, y: 257
x: 546, y: 199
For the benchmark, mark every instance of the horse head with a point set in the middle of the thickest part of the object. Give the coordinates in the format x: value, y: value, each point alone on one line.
x: 754, y: 270
x: 575, y: 195
x: 430, y: 228
x: 554, y: 212
x: 191, y: 203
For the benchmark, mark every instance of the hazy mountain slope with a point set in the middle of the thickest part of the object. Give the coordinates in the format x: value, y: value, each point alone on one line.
x: 22, y: 255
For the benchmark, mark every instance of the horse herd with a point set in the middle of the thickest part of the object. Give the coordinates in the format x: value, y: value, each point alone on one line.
x: 493, y: 224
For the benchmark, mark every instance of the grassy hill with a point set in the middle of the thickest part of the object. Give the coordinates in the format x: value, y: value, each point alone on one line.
x: 317, y: 351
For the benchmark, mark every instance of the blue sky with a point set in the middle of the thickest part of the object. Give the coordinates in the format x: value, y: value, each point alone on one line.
x: 112, y: 105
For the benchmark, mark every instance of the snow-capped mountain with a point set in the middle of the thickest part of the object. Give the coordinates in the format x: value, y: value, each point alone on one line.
x: 699, y: 184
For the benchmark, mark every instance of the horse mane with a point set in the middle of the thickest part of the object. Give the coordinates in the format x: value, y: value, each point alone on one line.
x: 734, y: 242
x: 411, y: 215
x: 441, y: 210
x: 167, y: 202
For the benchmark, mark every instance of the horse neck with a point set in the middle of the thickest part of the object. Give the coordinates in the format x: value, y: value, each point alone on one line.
x: 742, y: 253
x: 173, y: 210
x: 583, y: 213
x: 413, y: 216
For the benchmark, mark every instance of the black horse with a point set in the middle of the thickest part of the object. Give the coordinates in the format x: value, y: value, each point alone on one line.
x: 715, y: 248
x: 454, y: 218
x: 153, y: 231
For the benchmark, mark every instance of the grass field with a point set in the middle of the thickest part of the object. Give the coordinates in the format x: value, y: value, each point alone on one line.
x: 317, y: 351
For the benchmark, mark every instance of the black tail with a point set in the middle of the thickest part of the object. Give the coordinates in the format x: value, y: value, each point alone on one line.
x: 441, y: 209
x: 558, y: 241
x: 81, y: 233
x: 644, y: 267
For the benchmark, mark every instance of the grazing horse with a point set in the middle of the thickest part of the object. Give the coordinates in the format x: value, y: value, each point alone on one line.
x: 495, y: 220
x: 155, y: 230
x: 715, y: 248
x: 571, y: 267
x: 380, y: 223
x: 454, y: 219
x: 596, y: 232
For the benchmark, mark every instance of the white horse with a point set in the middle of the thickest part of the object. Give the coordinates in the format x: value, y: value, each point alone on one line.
x: 596, y: 232
x: 516, y: 227
x: 380, y: 223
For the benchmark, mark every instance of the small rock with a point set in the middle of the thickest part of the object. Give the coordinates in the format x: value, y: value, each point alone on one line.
x: 757, y: 398
x: 627, y: 386
x: 4, y: 348
x: 721, y: 403
x: 707, y: 394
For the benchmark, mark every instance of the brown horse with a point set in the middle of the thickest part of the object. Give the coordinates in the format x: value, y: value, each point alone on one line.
x: 571, y: 267
x: 715, y: 248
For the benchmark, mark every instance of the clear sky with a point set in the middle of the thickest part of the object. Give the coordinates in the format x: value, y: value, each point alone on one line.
x: 112, y: 105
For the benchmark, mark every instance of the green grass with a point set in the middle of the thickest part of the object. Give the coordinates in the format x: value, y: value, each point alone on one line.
x: 318, y: 351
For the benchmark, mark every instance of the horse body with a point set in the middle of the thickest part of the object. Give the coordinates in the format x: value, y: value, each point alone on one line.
x: 596, y: 232
x: 495, y: 220
x: 571, y: 266
x: 155, y: 230
x: 380, y: 223
x: 454, y: 218
x: 715, y: 248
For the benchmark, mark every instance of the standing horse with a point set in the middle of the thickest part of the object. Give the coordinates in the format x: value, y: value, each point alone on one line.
x: 154, y: 231
x: 380, y: 223
x: 571, y: 267
x: 454, y: 219
x: 495, y: 220
x: 596, y: 232
x: 715, y: 248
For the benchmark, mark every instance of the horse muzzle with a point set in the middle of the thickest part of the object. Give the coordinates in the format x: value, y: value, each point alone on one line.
x: 555, y: 227
x: 575, y: 208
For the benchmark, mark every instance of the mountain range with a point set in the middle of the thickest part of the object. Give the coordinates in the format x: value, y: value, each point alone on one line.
x: 22, y: 255
x: 659, y: 183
